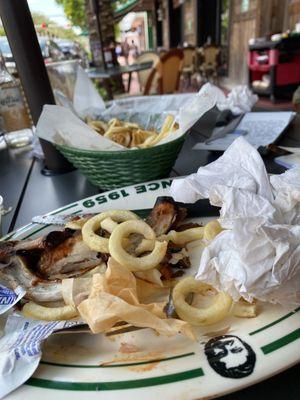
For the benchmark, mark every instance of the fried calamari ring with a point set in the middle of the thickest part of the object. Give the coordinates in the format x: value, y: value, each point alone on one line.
x: 36, y: 311
x: 108, y: 224
x: 183, y: 237
x: 244, y: 309
x: 145, y: 245
x: 89, y: 229
x: 135, y: 263
x: 217, y: 311
x: 211, y: 230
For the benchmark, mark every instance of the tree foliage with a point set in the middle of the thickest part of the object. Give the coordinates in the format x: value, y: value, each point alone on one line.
x: 75, y: 11
x: 51, y: 27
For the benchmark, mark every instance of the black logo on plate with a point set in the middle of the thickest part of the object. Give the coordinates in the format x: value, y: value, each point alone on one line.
x: 230, y: 356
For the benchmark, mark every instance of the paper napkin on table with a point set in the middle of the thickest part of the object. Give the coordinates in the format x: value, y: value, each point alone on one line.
x: 240, y: 100
x: 258, y: 253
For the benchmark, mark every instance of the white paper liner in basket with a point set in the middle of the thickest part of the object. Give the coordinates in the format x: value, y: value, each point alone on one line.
x: 60, y: 126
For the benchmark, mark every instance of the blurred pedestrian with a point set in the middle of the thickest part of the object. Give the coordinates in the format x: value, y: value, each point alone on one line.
x: 125, y: 50
x: 135, y: 49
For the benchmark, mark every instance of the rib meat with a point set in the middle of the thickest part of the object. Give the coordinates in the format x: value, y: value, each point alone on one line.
x: 16, y: 273
x: 165, y: 215
x: 39, y: 265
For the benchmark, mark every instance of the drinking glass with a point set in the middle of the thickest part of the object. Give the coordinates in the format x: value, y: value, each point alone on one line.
x: 19, y: 138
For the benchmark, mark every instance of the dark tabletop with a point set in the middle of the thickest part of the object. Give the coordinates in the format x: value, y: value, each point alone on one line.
x: 30, y: 193
x: 100, y: 73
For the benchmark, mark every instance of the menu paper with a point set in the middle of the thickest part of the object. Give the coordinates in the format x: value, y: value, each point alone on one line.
x: 257, y: 255
x: 259, y: 129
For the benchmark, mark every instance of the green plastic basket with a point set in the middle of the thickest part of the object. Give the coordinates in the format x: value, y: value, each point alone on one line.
x: 114, y: 169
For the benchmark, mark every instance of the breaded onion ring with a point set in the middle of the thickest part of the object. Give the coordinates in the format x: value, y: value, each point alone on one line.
x: 108, y: 224
x: 184, y: 237
x: 217, y: 311
x: 243, y: 309
x: 135, y: 263
x: 36, y: 311
x: 144, y: 246
x: 211, y: 230
x: 89, y: 229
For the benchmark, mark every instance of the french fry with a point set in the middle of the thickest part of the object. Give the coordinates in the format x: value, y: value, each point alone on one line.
x: 131, y: 125
x: 114, y: 122
x: 139, y: 136
x: 131, y: 134
x: 164, y: 130
x: 36, y: 311
x: 98, y: 126
x: 183, y: 237
x: 211, y: 230
x: 116, y: 129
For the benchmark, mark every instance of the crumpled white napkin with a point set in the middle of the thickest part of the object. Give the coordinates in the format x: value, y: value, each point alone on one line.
x: 240, y: 100
x: 258, y: 253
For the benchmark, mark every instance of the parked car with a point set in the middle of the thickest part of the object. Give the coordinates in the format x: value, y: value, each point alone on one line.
x: 50, y: 51
x: 7, y: 55
x: 73, y: 50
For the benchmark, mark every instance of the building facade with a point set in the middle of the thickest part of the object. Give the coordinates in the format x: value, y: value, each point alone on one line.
x: 227, y: 23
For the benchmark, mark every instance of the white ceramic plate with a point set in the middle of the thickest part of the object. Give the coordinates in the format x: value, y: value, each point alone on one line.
x: 228, y: 356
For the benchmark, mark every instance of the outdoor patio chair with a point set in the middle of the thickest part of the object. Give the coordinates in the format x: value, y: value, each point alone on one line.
x: 161, y: 51
x: 144, y: 75
x: 209, y: 62
x: 167, y: 72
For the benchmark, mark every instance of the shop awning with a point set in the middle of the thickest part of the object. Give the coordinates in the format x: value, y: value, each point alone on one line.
x: 123, y: 7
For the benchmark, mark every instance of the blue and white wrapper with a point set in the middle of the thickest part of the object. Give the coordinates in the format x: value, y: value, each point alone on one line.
x: 9, y: 297
x: 20, y: 349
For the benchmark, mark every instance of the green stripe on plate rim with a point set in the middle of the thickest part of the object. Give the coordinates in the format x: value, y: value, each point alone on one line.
x: 64, y: 209
x: 118, y: 385
x: 119, y: 365
x: 283, y: 341
x: 275, y: 322
x: 8, y: 237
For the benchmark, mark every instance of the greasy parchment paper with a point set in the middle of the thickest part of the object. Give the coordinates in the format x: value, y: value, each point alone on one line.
x: 119, y: 296
x: 102, y: 301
